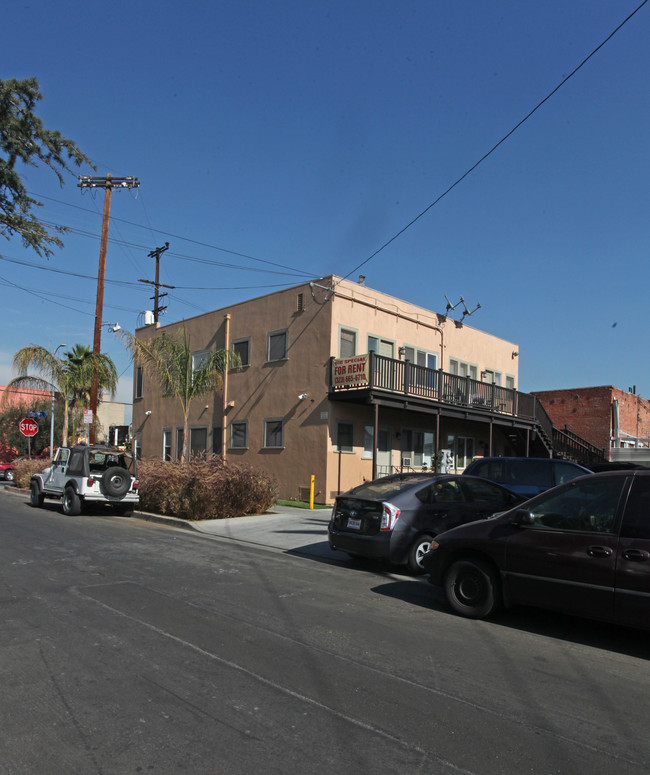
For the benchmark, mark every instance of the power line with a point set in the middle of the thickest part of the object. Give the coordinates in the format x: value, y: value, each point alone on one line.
x: 494, y: 147
x: 186, y: 239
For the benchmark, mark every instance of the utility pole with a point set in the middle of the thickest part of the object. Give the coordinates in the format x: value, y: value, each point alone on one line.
x: 108, y: 184
x: 157, y: 309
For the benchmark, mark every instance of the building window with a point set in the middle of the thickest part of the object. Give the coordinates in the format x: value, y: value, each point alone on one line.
x: 347, y: 343
x: 198, y: 442
x: 217, y: 440
x: 239, y: 434
x: 381, y: 346
x: 139, y: 382
x: 179, y: 443
x: 463, y: 369
x: 242, y: 347
x: 167, y: 445
x: 510, y: 382
x: 198, y: 359
x: 300, y: 302
x: 368, y: 442
x: 491, y: 377
x: 344, y: 437
x: 273, y: 434
x: 277, y: 346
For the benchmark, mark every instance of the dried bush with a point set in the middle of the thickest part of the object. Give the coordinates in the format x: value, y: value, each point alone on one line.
x: 24, y: 469
x: 204, y: 488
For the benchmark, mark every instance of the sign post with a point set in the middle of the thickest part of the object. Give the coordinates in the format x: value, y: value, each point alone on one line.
x: 28, y: 428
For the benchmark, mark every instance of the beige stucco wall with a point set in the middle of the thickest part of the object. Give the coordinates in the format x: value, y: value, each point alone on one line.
x: 266, y: 390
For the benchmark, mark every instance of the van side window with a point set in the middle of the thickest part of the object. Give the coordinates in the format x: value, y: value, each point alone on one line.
x: 533, y: 472
x: 636, y: 523
x: 565, y: 472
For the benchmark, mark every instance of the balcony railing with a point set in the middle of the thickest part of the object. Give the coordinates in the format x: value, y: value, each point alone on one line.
x: 377, y: 372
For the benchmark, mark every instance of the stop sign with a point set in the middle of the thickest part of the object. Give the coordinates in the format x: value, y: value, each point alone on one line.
x: 28, y: 427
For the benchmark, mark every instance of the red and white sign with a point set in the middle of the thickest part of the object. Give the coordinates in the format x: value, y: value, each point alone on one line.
x: 28, y: 427
x: 351, y: 372
x: 88, y: 416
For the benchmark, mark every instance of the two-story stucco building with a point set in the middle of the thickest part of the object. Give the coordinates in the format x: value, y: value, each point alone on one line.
x: 344, y: 383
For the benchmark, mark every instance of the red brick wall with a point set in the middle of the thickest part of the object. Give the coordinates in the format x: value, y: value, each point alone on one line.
x: 588, y: 412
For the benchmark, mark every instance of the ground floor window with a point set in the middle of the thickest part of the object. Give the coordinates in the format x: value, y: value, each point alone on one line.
x: 273, y: 434
x: 217, y: 440
x: 417, y: 448
x: 239, y: 434
x: 344, y: 437
x: 463, y: 447
x: 167, y: 445
x: 179, y: 443
x: 368, y: 442
x: 198, y: 441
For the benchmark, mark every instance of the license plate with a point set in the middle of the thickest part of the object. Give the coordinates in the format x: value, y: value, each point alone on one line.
x: 354, y: 523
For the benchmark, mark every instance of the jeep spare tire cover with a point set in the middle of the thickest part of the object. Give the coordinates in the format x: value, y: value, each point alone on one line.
x: 115, y: 481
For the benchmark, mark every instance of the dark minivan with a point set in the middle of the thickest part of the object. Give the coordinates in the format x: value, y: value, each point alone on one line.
x: 582, y: 548
x: 527, y: 476
x: 395, y: 517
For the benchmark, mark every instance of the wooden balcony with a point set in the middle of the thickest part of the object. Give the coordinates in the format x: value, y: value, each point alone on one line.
x: 373, y: 378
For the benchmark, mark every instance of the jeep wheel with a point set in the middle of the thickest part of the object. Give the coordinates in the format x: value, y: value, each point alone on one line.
x: 116, y: 481
x: 71, y: 502
x: 36, y: 497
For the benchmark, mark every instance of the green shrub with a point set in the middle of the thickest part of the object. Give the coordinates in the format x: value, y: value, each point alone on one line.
x: 204, y: 488
x: 24, y: 469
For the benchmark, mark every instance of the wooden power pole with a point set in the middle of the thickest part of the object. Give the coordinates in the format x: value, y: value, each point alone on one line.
x: 108, y: 184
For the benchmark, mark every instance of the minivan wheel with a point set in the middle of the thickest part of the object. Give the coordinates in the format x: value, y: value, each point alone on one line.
x: 472, y: 588
x: 417, y: 551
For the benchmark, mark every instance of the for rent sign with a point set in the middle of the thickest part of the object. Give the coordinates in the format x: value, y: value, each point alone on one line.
x: 351, y: 372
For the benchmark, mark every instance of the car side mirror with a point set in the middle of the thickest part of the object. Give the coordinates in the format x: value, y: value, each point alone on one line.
x: 523, y: 518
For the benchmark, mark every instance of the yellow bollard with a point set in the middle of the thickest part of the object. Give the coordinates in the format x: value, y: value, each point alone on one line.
x: 312, y: 479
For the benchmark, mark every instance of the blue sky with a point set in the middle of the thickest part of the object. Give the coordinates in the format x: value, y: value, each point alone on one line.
x: 306, y: 134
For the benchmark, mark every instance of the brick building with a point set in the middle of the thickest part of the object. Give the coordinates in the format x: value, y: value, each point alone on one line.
x: 607, y: 417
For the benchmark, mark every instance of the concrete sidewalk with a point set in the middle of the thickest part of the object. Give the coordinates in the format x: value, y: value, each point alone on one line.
x: 282, y: 527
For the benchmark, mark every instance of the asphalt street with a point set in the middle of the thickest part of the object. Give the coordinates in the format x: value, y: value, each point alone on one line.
x: 134, y: 646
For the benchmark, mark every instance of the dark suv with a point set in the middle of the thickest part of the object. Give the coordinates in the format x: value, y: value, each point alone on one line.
x: 527, y: 476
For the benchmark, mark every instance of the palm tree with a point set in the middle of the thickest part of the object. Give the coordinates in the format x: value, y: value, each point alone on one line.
x: 64, y: 376
x: 82, y: 364
x: 170, y: 360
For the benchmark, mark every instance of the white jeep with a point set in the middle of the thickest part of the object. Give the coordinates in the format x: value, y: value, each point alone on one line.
x: 84, y: 474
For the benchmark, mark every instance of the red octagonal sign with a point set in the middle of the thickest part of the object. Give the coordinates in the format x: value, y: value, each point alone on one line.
x: 28, y: 427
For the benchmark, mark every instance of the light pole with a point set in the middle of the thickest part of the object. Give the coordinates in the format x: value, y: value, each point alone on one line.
x: 52, y: 413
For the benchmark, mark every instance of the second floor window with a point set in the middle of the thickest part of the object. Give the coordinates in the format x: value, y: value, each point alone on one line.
x: 277, y: 346
x: 139, y: 382
x: 347, y: 343
x: 239, y: 435
x: 242, y: 348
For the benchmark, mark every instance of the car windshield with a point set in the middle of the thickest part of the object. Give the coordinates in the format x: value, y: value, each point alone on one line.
x: 385, y: 488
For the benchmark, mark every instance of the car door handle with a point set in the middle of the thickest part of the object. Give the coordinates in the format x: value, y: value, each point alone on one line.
x: 637, y: 555
x: 599, y: 551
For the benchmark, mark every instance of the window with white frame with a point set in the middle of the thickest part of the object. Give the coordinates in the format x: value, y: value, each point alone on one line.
x: 344, y: 437
x: 243, y: 349
x: 199, y: 358
x: 138, y: 385
x: 347, y: 342
x: 417, y: 447
x: 273, y: 434
x: 491, y: 377
x: 239, y: 434
x: 463, y: 369
x: 277, y: 346
x: 385, y: 347
x: 167, y: 444
x: 368, y: 442
x: 510, y: 382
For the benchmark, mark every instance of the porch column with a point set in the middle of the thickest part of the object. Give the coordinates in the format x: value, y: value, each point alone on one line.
x: 375, y: 434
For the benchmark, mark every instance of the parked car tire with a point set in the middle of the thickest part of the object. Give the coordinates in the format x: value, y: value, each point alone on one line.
x: 36, y: 497
x: 472, y: 588
x: 71, y: 502
x: 115, y: 481
x: 417, y: 551
x: 9, y: 475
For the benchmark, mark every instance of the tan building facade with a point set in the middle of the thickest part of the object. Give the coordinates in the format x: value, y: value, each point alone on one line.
x: 330, y: 366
